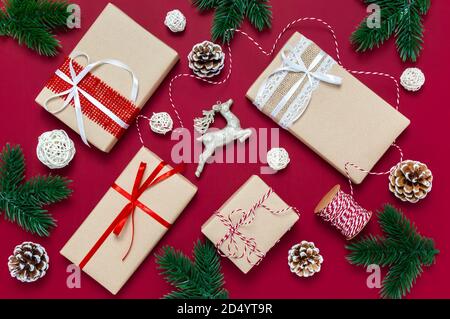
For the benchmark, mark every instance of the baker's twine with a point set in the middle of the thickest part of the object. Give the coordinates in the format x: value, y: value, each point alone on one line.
x: 346, y: 215
x: 231, y: 249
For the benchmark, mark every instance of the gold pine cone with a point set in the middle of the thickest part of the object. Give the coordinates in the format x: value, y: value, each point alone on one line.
x: 304, y: 259
x: 206, y: 59
x: 410, y: 181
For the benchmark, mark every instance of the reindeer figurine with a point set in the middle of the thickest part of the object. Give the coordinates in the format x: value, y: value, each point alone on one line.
x: 217, y: 139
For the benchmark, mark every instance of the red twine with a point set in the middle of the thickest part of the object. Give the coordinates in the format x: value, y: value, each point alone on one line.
x: 232, y: 249
x: 345, y: 214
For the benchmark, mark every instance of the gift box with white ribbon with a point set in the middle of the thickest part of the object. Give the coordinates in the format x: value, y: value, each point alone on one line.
x: 103, y: 84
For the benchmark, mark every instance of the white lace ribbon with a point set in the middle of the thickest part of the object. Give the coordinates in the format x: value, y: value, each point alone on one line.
x: 298, y: 66
x: 74, y: 92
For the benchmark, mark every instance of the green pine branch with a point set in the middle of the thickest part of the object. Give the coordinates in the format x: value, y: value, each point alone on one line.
x: 259, y: 14
x: 402, y: 19
x: 22, y: 203
x: 31, y: 22
x: 204, y: 5
x: 201, y: 279
x: 229, y: 15
x: 402, y: 249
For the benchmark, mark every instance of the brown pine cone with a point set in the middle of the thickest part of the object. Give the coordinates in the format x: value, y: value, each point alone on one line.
x: 29, y: 262
x: 410, y: 181
x: 304, y: 259
x: 206, y: 59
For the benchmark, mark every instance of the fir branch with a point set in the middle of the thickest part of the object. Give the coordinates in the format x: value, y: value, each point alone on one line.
x: 403, y: 249
x: 201, y: 279
x: 204, y: 5
x: 409, y: 34
x: 30, y: 217
x: 34, y: 37
x: 229, y: 16
x: 399, y: 18
x: 12, y: 168
x: 372, y: 250
x: 396, y: 226
x: 178, y: 269
x: 259, y: 14
x: 208, y: 264
x: 400, y: 278
x: 30, y: 22
x: 46, y: 190
x: 23, y: 203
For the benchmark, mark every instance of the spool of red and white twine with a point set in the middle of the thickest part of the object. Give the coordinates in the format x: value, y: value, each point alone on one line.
x: 343, y: 212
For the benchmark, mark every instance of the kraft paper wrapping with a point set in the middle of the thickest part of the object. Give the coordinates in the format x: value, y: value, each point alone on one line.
x: 168, y: 199
x: 347, y: 123
x: 114, y: 35
x: 267, y: 229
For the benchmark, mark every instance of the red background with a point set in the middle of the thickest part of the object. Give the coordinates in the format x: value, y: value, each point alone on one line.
x: 303, y: 184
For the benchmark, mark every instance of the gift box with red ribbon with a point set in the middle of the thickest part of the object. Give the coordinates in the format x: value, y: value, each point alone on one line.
x: 100, y: 88
x: 131, y: 218
x: 249, y: 224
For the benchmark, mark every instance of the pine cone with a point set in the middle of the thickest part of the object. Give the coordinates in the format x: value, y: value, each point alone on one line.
x: 410, y: 181
x: 206, y: 59
x: 304, y: 259
x: 29, y: 262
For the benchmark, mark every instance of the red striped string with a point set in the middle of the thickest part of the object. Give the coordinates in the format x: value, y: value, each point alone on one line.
x: 232, y: 248
x: 346, y: 215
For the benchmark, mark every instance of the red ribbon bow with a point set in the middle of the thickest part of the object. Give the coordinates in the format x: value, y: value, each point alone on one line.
x: 128, y: 211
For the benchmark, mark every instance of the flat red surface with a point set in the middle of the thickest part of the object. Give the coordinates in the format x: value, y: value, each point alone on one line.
x: 307, y: 179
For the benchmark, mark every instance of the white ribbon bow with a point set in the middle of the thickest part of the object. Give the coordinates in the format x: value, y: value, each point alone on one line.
x: 74, y: 92
x: 299, y: 66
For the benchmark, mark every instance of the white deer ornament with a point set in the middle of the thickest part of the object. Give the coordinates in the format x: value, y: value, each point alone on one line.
x: 217, y: 139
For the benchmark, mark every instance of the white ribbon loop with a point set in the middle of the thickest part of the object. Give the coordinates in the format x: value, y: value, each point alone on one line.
x: 73, y: 94
x: 299, y: 66
x: 295, y: 64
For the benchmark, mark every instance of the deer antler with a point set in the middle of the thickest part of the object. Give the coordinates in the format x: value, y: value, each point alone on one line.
x: 202, y: 124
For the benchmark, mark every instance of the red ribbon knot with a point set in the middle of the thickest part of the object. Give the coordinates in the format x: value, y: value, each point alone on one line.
x: 118, y: 225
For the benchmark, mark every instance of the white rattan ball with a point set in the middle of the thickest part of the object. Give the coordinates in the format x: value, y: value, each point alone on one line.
x: 175, y: 21
x: 278, y: 159
x: 161, y: 123
x: 412, y: 79
x: 55, y: 149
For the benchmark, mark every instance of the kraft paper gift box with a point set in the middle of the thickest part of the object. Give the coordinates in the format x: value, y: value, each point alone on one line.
x: 258, y: 233
x: 115, y: 36
x: 341, y: 123
x: 95, y: 246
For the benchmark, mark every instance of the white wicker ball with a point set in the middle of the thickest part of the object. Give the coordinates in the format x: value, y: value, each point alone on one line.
x: 175, y: 21
x: 278, y: 159
x: 55, y: 149
x: 161, y: 123
x: 412, y: 79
